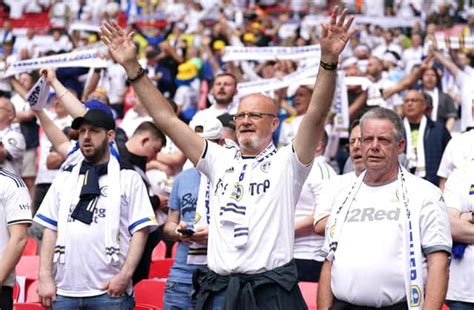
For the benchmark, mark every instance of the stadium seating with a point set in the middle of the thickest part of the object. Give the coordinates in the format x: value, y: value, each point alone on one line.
x: 146, y: 307
x: 32, y: 292
x: 28, y: 266
x: 309, y: 291
x: 159, y: 252
x: 160, y: 268
x: 27, y: 306
x: 31, y: 248
x: 150, y: 292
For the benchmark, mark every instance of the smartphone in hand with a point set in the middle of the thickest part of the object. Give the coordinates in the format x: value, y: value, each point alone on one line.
x: 188, y: 232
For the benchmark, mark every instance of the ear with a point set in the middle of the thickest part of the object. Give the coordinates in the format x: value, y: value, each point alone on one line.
x: 144, y: 140
x: 111, y: 135
x: 275, y: 123
x: 401, y: 146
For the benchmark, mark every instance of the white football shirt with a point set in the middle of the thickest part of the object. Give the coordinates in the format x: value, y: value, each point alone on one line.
x: 457, y: 194
x: 15, y: 208
x: 274, y: 188
x: 85, y: 269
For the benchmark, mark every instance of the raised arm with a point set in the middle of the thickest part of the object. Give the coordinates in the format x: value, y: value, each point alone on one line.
x: 124, y: 52
x: 334, y: 38
x: 71, y: 103
x: 55, y: 135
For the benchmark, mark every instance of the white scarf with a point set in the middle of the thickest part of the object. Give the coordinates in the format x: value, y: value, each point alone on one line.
x: 37, y: 97
x: 197, y: 253
x: 435, y: 99
x: 234, y: 212
x: 112, y: 221
x: 416, y: 158
x: 414, y: 286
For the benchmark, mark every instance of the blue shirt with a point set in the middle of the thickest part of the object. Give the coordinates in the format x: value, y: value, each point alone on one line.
x: 183, y: 198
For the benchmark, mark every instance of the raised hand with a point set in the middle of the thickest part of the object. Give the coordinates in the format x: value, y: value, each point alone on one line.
x: 49, y: 73
x: 120, y: 44
x: 335, y: 35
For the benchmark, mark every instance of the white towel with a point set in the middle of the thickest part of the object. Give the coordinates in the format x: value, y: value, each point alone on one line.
x: 197, y: 253
x: 234, y: 212
x: 112, y: 244
x: 414, y: 285
x: 416, y: 158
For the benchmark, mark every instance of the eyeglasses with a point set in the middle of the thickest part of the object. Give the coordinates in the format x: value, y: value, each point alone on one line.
x: 406, y: 100
x: 252, y: 115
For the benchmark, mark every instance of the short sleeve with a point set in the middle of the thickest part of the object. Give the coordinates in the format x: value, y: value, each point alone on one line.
x: 434, y: 223
x: 47, y: 214
x: 141, y: 213
x: 456, y: 191
x: 446, y: 166
x: 211, y: 159
x: 174, y: 201
x: 17, y: 200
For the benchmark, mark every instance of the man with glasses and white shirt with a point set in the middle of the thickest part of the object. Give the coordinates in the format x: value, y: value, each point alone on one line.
x: 254, y: 189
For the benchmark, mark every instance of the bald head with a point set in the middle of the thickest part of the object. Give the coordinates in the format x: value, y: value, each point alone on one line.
x: 264, y: 103
x: 256, y: 120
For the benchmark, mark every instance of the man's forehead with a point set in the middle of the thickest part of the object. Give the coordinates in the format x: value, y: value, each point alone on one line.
x: 224, y: 79
x: 255, y: 102
x: 377, y: 125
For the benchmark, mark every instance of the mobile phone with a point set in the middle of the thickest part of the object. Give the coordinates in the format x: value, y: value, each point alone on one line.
x: 188, y: 232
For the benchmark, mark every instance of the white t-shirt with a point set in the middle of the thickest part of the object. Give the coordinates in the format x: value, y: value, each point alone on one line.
x: 458, y: 153
x: 15, y: 145
x: 461, y: 272
x: 186, y: 97
x: 274, y: 187
x: 309, y: 246
x: 371, y: 247
x: 85, y: 269
x: 375, y: 95
x: 114, y: 82
x: 288, y: 130
x: 210, y: 113
x: 21, y: 105
x: 15, y: 208
x: 331, y: 189
x: 132, y: 120
x: 45, y: 175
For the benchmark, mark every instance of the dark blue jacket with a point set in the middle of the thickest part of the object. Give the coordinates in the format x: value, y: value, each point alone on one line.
x: 435, y: 140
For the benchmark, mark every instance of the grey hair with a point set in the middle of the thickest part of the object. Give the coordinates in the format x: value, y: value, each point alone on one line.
x: 383, y: 113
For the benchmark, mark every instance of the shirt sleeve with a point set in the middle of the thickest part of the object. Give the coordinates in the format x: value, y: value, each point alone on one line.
x: 446, y: 166
x: 456, y: 191
x: 17, y: 201
x: 141, y: 213
x: 434, y: 223
x: 174, y: 201
x: 211, y: 158
x: 47, y: 214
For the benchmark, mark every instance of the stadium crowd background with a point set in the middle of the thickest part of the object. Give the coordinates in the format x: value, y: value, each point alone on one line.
x: 181, y: 44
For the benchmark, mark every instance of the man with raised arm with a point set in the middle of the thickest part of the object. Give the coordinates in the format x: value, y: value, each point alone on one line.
x: 255, y: 188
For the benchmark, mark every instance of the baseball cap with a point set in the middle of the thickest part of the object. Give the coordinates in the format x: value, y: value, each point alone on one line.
x: 227, y: 120
x: 96, y: 117
x: 94, y: 104
x: 211, y: 130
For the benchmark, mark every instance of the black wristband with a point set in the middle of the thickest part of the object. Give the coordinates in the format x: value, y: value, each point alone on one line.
x: 141, y: 72
x: 330, y: 66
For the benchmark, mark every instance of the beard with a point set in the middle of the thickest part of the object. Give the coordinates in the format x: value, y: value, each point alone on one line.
x: 96, y: 155
x: 249, y: 142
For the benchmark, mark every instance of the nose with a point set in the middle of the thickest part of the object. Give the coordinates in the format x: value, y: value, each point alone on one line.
x: 375, y: 146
